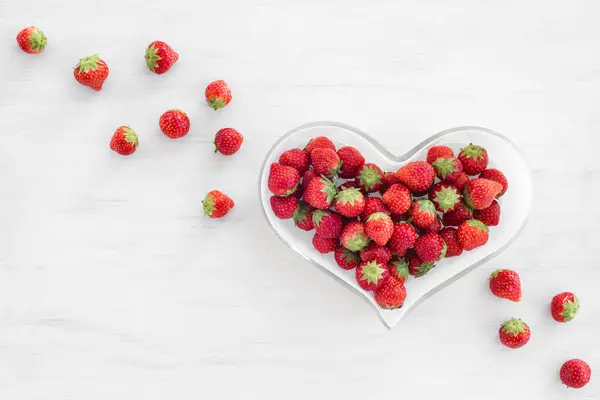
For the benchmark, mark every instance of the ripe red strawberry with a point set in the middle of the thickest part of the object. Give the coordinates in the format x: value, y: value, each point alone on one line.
x: 325, y: 162
x: 430, y: 247
x: 306, y: 178
x: 228, y: 141
x: 328, y: 224
x: 217, y: 94
x: 319, y: 142
x: 349, y: 202
x: 403, y: 238
x: 91, y: 71
x: 297, y: 159
x: 160, y: 57
x: 451, y: 239
x: 474, y: 159
x: 320, y: 193
x: 438, y: 152
x: 354, y: 237
x: 283, y: 180
x: 575, y: 373
x: 448, y: 169
x: 324, y: 245
x: 345, y: 258
x: 216, y: 204
x: 480, y: 193
x: 352, y: 161
x: 418, y: 176
x: 416, y: 266
x: 472, y: 234
x: 489, y: 216
x: 397, y: 198
x: 379, y: 228
x: 391, y: 295
x: 124, y: 141
x: 495, y: 175
x: 436, y: 226
x: 398, y: 267
x: 445, y: 196
x: 514, y: 333
x: 373, y: 205
x: 375, y: 252
x: 460, y: 180
x: 371, y: 275
x: 460, y: 214
x: 31, y: 40
x: 422, y: 213
x: 505, y: 283
x: 564, y: 307
x: 284, y: 207
x: 303, y: 216
x: 174, y: 124
x: 389, y: 178
x: 369, y: 178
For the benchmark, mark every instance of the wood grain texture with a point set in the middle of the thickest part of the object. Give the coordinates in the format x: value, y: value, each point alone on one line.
x: 113, y: 284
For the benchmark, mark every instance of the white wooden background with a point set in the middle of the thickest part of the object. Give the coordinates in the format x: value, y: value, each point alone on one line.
x: 114, y: 286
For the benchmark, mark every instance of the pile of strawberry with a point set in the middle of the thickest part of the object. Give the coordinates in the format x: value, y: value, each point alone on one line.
x: 388, y: 225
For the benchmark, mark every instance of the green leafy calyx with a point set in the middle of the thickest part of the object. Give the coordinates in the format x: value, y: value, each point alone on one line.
x: 357, y: 242
x: 426, y: 206
x: 477, y: 224
x: 318, y: 216
x: 472, y: 151
x: 570, y: 309
x: 37, y: 40
x: 152, y: 58
x: 88, y: 63
x: 495, y: 273
x: 328, y: 188
x: 369, y: 177
x: 209, y: 205
x: 372, y: 272
x: 514, y: 326
x: 349, y: 196
x: 378, y: 216
x: 444, y: 166
x: 447, y: 198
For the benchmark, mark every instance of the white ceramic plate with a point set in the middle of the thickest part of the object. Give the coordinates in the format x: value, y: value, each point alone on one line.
x: 515, y: 204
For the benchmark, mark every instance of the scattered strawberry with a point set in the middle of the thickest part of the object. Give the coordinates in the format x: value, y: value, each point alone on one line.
x: 283, y: 181
x: 495, y: 175
x: 345, y: 258
x: 575, y: 373
x: 403, y: 238
x: 284, y: 207
x: 217, y: 94
x: 160, y: 57
x: 369, y: 178
x: 514, y: 333
x: 124, y: 141
x: 324, y: 245
x: 371, y: 275
x: 325, y: 162
x: 447, y: 168
x: 320, y: 193
x: 174, y: 124
x: 319, y: 142
x: 379, y: 228
x: 351, y: 160
x: 435, y: 227
x: 437, y: 152
x: 398, y: 267
x: 564, y: 307
x: 451, y: 239
x: 31, y: 40
x: 297, y: 159
x: 91, y: 71
x: 460, y: 180
x: 397, y: 198
x: 228, y: 141
x: 373, y: 205
x: 506, y: 284
x: 349, y: 202
x: 430, y: 247
x: 216, y: 204
x: 391, y: 295
x: 418, y: 176
x: 474, y: 159
x: 444, y: 196
x: 303, y: 216
x: 461, y: 213
x: 328, y: 224
x: 472, y: 234
x: 422, y: 213
x: 480, y: 193
x: 306, y: 178
x: 376, y: 252
x: 354, y: 237
x: 416, y: 266
x: 489, y: 216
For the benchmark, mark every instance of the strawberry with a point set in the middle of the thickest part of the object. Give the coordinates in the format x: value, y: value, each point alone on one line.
x: 160, y: 57
x: 349, y: 202
x: 324, y: 245
x: 174, y: 124
x: 460, y: 180
x: 319, y: 142
x: 325, y: 162
x: 399, y: 268
x: 505, y: 283
x: 444, y: 196
x: 31, y: 40
x: 228, y: 141
x: 461, y: 213
x: 436, y: 226
x: 217, y: 94
x: 375, y: 252
x: 320, y: 193
x: 124, y: 141
x: 430, y: 247
x: 389, y: 178
x: 351, y: 160
x: 91, y: 71
x: 416, y: 266
x: 297, y: 159
x: 480, y: 193
x: 391, y: 295
x: 354, y: 237
x: 216, y: 204
x: 418, y: 176
x: 345, y: 258
x: 495, y: 175
x: 451, y: 239
x: 438, y: 152
x: 373, y: 205
x: 564, y: 307
x: 489, y: 216
x: 284, y: 207
x: 397, y: 198
x: 379, y: 228
x: 403, y: 238
x: 575, y: 373
x: 514, y: 333
x: 303, y: 216
x: 328, y: 224
x: 472, y: 234
x: 369, y: 178
x: 371, y: 275
x: 283, y: 180
x: 447, y: 169
x: 306, y: 178
x: 474, y: 159
x: 422, y: 213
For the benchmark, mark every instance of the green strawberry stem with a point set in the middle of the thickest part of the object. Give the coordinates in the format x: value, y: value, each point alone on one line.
x: 88, y: 63
x: 37, y: 40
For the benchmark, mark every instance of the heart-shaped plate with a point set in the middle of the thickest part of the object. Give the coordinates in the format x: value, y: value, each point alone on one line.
x: 515, y: 204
